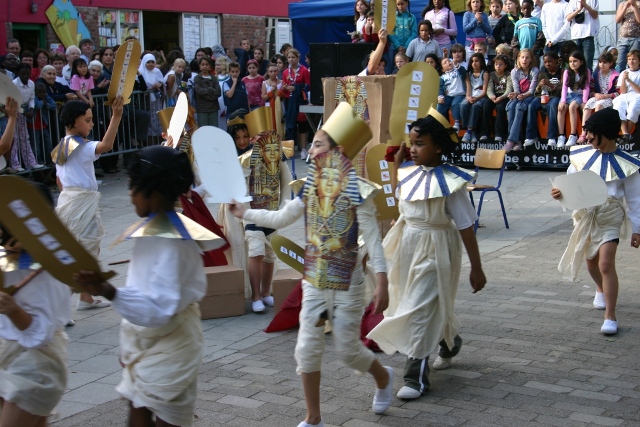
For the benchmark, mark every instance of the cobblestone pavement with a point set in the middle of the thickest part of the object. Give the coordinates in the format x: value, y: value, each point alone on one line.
x: 533, y: 354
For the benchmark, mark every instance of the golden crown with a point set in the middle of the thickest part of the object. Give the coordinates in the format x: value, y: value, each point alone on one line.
x: 259, y: 120
x: 348, y: 130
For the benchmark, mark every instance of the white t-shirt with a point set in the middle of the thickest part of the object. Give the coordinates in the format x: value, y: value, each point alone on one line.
x: 590, y: 26
x: 78, y: 170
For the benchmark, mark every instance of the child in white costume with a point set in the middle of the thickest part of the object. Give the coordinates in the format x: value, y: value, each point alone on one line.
x: 598, y: 230
x: 424, y: 252
x: 33, y: 344
x: 161, y: 335
x: 79, y: 197
x: 337, y: 206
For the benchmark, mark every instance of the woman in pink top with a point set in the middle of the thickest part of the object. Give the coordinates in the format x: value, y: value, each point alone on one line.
x: 443, y: 21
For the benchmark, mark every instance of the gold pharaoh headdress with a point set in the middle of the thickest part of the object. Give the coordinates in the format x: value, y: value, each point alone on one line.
x: 236, y: 121
x: 348, y: 130
x: 443, y: 121
x: 259, y: 120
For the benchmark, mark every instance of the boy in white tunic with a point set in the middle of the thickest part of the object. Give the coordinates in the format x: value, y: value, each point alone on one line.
x: 337, y: 206
x: 79, y: 197
x: 597, y: 231
x: 425, y: 254
x: 161, y: 335
x: 33, y: 345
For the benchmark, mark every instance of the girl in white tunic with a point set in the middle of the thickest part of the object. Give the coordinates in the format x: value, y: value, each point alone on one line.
x: 424, y: 253
x: 33, y: 345
x: 597, y: 231
x: 161, y: 335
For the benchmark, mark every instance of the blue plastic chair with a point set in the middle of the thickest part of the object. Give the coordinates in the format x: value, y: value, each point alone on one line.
x: 487, y: 159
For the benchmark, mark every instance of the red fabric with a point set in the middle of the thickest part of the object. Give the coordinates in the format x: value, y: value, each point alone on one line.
x: 289, y: 314
x: 392, y: 150
x: 197, y: 210
x: 373, y: 38
x: 369, y: 321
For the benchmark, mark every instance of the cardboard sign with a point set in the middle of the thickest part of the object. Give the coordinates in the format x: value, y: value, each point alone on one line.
x: 583, y: 189
x: 288, y: 252
x: 28, y: 217
x: 125, y: 70
x: 385, y: 15
x: 178, y: 119
x: 416, y: 89
x: 7, y: 88
x: 380, y: 172
x: 218, y: 165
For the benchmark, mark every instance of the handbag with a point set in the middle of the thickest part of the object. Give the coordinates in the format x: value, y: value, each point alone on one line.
x: 580, y: 17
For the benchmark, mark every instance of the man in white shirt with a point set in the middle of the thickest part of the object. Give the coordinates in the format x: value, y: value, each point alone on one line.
x: 585, y: 24
x: 86, y: 48
x: 72, y: 53
x: 554, y: 25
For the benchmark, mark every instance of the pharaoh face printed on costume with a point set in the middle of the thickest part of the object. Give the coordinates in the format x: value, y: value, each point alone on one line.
x: 264, y: 181
x: 331, y: 197
x: 352, y: 90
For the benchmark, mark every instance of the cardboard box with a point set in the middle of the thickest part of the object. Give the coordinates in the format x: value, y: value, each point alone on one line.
x: 225, y: 292
x: 284, y: 281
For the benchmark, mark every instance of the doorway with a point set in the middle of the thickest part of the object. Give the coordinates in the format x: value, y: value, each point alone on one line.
x: 161, y: 31
x: 31, y: 36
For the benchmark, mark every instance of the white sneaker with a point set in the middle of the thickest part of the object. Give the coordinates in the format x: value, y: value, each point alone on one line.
x: 483, y: 138
x: 552, y: 142
x: 466, y: 138
x: 37, y: 166
x: 257, y: 306
x: 306, y: 424
x: 71, y: 322
x: 571, y: 141
x: 456, y: 126
x: 408, y: 393
x: 609, y: 327
x: 81, y: 305
x: 303, y: 154
x: 561, y: 141
x: 473, y: 138
x: 529, y: 142
x: 498, y: 139
x: 19, y: 169
x: 383, y: 396
x: 442, y: 362
x: 268, y: 300
x: 598, y: 301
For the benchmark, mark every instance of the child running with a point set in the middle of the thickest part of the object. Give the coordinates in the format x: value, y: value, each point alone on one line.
x: 336, y: 209
x: 160, y: 335
x: 597, y: 231
x: 424, y: 252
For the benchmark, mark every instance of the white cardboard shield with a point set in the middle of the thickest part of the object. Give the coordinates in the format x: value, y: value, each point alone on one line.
x: 218, y: 165
x: 178, y: 118
x: 7, y: 88
x: 583, y: 189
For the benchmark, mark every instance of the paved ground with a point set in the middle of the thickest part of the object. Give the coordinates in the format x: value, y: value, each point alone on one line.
x: 533, y: 354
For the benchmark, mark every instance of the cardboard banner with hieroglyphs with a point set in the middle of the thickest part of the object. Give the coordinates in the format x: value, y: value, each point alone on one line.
x: 380, y: 171
x: 385, y: 15
x: 288, y: 252
x: 125, y: 70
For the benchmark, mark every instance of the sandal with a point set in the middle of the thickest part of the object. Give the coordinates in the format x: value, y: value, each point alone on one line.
x: 582, y: 139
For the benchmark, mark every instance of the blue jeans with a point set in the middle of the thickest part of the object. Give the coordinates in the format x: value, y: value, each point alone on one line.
x: 588, y: 47
x: 552, y: 118
x: 624, y: 46
x: 516, y: 113
x: 471, y: 112
x: 452, y: 102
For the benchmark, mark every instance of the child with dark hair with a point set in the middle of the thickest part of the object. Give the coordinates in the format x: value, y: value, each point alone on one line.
x: 243, y: 54
x: 21, y: 152
x: 160, y: 334
x: 528, y: 30
x: 500, y: 86
x: 575, y: 94
x: 234, y: 91
x: 81, y: 81
x: 79, y: 197
x: 597, y: 230
x: 424, y: 43
x: 33, y: 372
x: 433, y: 60
x: 207, y: 91
x: 453, y: 89
x: 477, y: 85
x: 549, y: 81
x: 406, y: 27
x: 11, y: 113
x: 606, y: 90
x: 628, y: 103
x: 459, y: 56
x: 424, y: 252
x: 237, y: 128
x: 39, y: 131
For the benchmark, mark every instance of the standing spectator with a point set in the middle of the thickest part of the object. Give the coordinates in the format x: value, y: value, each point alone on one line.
x: 296, y: 80
x: 107, y: 57
x: 208, y: 91
x: 235, y: 93
x: 59, y: 93
x: 628, y: 14
x: 494, y: 17
x: 81, y: 81
x: 219, y: 52
x: 584, y: 26
x: 527, y: 33
x: 72, y: 53
x: 281, y: 61
x: 554, y: 25
x: 503, y: 31
x: 263, y: 64
x: 222, y: 72
x: 253, y: 83
x: 445, y: 29
x: 155, y: 82
x: 243, y: 54
x: 285, y: 48
x: 173, y: 81
x: 27, y: 57
x: 475, y: 24
x: 361, y: 8
x: 424, y: 44
x: 21, y: 153
x: 13, y: 46
x: 42, y: 58
x: 271, y: 86
x: 58, y: 62
x: 538, y: 7
x: 406, y: 28
x: 39, y: 124
x: 86, y: 49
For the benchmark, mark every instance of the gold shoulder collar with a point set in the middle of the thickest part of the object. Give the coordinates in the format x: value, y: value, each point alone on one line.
x: 12, y: 261
x: 422, y: 183
x: 62, y: 151
x: 368, y: 188
x: 297, y: 185
x: 245, y: 159
x: 172, y: 225
x: 609, y: 166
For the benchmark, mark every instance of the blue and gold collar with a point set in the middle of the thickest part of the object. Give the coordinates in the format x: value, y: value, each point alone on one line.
x: 422, y: 183
x: 610, y: 166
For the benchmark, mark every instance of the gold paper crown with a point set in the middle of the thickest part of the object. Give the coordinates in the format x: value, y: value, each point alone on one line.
x: 259, y: 120
x: 443, y: 121
x: 236, y: 121
x: 348, y: 130
x: 165, y: 118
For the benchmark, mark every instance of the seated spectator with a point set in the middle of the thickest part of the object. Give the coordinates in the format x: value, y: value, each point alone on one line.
x: 628, y: 103
x: 477, y: 84
x: 549, y: 81
x: 606, y: 90
x: 575, y: 94
x: 500, y: 86
x: 452, y: 92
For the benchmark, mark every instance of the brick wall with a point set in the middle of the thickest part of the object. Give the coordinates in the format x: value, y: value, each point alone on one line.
x: 237, y: 27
